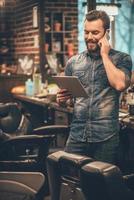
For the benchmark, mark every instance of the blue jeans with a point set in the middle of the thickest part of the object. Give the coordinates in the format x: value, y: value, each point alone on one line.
x: 105, y: 151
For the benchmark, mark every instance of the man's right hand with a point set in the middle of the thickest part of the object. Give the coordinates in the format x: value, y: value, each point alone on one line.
x: 63, y: 96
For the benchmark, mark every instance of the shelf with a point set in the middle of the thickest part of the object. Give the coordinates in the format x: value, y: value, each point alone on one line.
x: 61, y: 52
x: 54, y: 36
x: 57, y: 32
x: 57, y: 37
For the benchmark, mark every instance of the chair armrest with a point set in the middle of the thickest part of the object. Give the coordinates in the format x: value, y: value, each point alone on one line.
x: 27, y: 139
x: 52, y: 129
x: 22, y: 146
x: 61, y: 133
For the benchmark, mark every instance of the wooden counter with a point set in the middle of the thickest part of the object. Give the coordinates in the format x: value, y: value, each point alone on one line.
x: 7, y: 82
x: 44, y: 111
x: 43, y: 102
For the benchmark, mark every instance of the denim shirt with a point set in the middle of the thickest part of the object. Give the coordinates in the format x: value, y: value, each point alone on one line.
x: 95, y: 118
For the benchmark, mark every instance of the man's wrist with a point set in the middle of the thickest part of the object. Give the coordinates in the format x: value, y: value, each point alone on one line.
x: 105, y: 56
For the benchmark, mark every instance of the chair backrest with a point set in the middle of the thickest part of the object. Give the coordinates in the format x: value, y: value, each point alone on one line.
x: 20, y: 185
x: 63, y: 174
x: 10, y: 117
x: 101, y: 180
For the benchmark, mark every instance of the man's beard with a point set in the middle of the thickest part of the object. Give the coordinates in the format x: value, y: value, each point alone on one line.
x: 93, y: 51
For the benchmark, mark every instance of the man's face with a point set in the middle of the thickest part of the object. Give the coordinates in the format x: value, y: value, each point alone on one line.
x: 93, y: 32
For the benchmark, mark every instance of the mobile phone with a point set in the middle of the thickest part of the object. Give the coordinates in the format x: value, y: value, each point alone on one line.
x: 107, y: 35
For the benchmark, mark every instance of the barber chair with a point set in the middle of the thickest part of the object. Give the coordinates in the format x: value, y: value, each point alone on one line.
x: 20, y: 151
x: 64, y: 175
x: 20, y: 185
x: 21, y: 147
x: 105, y: 181
x: 18, y: 136
x: 14, y: 123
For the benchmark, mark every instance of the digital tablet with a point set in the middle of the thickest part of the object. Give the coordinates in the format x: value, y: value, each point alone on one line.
x: 72, y: 84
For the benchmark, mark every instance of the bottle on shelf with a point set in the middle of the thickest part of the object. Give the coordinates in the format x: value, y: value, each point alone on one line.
x: 29, y: 87
x: 57, y: 26
x: 70, y: 49
x: 46, y: 47
x: 37, y: 83
x: 56, y: 46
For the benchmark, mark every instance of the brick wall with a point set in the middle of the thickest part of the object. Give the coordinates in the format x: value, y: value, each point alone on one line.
x: 23, y: 36
x: 24, y: 33
x: 6, y: 31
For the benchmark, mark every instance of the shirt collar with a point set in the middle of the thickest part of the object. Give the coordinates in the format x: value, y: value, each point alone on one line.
x: 95, y: 56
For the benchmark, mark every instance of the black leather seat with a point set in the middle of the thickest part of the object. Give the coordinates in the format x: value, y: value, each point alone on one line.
x: 64, y: 175
x: 105, y: 181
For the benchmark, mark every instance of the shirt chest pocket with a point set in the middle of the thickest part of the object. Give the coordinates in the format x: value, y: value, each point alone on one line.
x: 101, y: 77
x: 82, y: 76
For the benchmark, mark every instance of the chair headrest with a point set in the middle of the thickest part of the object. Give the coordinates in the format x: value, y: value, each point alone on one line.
x: 10, y: 117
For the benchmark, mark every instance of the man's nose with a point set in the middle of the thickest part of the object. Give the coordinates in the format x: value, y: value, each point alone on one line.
x: 90, y: 36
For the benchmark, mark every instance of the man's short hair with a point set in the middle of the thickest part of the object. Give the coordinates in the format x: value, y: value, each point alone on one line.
x: 99, y: 14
